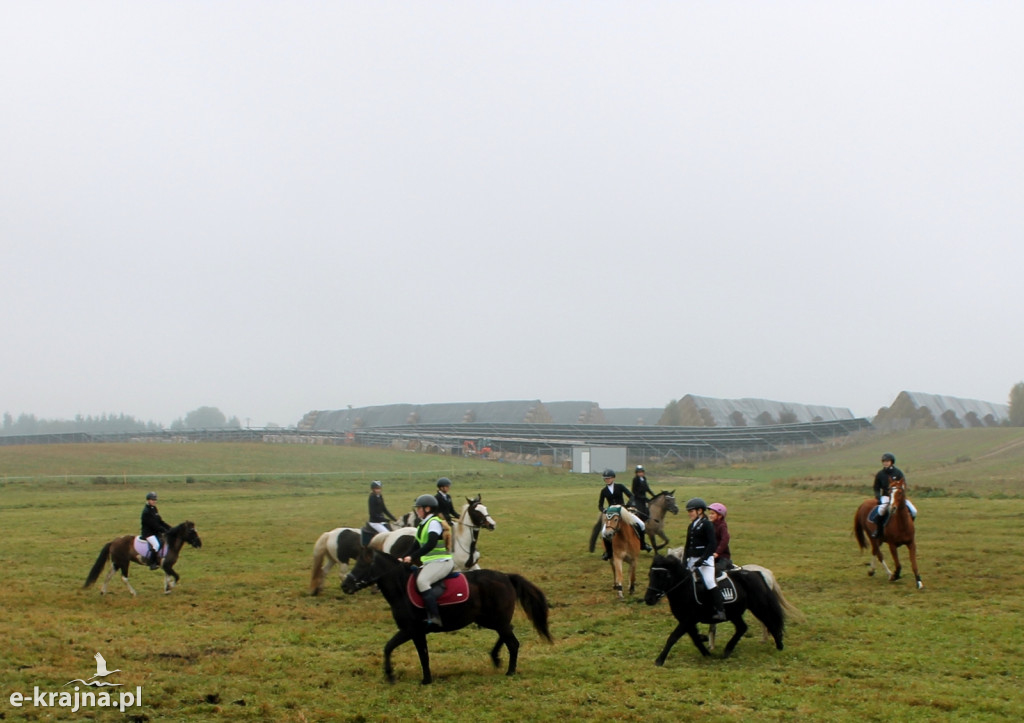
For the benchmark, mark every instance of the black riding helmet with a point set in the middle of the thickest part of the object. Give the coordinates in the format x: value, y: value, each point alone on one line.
x: 426, y: 501
x: 888, y: 458
x: 444, y: 482
x: 696, y: 503
x: 608, y: 474
x: 151, y: 495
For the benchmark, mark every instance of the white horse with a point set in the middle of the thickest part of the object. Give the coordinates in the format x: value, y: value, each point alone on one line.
x: 473, y: 517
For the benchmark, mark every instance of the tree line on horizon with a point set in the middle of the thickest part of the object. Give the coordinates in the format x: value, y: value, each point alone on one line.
x: 29, y: 424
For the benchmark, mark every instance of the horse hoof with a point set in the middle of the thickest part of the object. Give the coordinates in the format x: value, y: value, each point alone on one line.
x: 659, y: 662
x: 871, y: 573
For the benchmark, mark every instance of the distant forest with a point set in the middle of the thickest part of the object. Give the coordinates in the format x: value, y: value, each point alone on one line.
x: 202, y: 418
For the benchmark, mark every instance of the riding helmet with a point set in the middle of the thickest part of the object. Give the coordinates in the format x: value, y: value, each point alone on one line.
x: 426, y: 501
x: 639, y: 468
x: 608, y: 474
x: 719, y: 508
x: 444, y: 482
x: 151, y: 495
x: 888, y: 458
x: 696, y: 503
x: 375, y: 485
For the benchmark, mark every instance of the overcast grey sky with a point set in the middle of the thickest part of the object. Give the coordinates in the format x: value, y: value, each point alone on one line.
x: 273, y: 207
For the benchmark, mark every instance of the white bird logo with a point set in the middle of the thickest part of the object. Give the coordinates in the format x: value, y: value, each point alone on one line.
x: 101, y: 672
x: 101, y: 668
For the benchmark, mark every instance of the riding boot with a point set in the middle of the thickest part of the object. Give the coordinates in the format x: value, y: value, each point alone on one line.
x: 430, y: 600
x: 154, y: 559
x: 719, y: 604
x: 607, y: 550
x: 643, y: 539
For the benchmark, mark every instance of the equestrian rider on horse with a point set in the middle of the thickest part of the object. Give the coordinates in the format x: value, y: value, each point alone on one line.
x: 615, y: 494
x: 641, y: 492
x: 379, y: 512
x: 883, y: 481
x: 445, y: 508
x: 435, y: 560
x: 152, y: 527
x: 699, y: 553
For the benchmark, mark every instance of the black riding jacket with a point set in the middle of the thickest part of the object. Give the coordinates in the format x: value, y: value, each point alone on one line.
x: 152, y: 523
x: 445, y: 507
x: 883, y: 480
x: 700, y: 539
x: 642, y: 493
x: 379, y: 511
x: 616, y: 496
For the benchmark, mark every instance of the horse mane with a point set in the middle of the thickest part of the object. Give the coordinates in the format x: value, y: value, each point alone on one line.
x: 180, y: 529
x: 670, y: 562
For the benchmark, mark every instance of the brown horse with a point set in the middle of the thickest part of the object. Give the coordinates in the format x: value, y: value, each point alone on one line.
x: 657, y: 507
x: 899, y: 530
x: 121, y: 552
x: 618, y: 528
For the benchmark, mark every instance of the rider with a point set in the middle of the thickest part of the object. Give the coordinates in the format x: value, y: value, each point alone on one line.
x: 641, y: 492
x: 723, y: 556
x: 699, y: 553
x: 445, y: 508
x: 616, y: 494
x: 379, y: 512
x: 435, y: 560
x: 152, y: 527
x: 883, y: 480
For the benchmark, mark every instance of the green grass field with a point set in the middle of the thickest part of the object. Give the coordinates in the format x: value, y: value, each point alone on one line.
x: 241, y: 639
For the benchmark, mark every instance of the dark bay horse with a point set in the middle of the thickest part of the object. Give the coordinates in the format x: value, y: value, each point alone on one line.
x: 121, y: 552
x: 618, y: 527
x: 657, y: 506
x: 898, y: 530
x: 490, y: 604
x: 334, y: 547
x: 670, y: 577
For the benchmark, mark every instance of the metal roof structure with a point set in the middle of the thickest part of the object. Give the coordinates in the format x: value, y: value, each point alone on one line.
x: 911, y: 409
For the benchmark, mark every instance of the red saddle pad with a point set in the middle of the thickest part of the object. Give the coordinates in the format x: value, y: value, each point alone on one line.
x: 456, y: 590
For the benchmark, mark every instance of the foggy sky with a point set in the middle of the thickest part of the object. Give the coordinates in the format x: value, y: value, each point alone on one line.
x: 273, y: 207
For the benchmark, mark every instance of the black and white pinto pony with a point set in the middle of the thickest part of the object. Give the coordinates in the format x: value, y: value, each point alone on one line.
x: 340, y: 546
x: 465, y: 555
x: 124, y: 550
x: 690, y: 605
x: 489, y: 601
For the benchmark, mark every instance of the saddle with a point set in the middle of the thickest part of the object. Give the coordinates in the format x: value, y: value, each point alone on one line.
x: 141, y: 548
x: 723, y: 582
x: 456, y: 590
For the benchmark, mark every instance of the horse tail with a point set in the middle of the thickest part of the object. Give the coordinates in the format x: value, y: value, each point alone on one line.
x: 316, y: 580
x: 97, y: 568
x: 533, y: 602
x: 791, y: 610
x: 765, y: 603
x: 858, y: 530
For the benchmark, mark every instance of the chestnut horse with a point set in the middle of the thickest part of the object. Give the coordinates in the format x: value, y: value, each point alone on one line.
x: 121, y: 552
x: 618, y: 527
x: 899, y: 530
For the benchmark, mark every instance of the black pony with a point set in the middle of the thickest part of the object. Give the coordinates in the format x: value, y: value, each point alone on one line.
x: 490, y: 604
x: 669, y: 576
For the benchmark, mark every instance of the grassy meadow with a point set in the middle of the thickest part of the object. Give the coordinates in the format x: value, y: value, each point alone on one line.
x: 240, y: 638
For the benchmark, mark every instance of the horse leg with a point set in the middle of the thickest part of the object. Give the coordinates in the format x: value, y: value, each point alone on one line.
x: 741, y: 629
x: 512, y: 643
x: 673, y: 637
x: 397, y: 639
x: 632, y: 577
x: 617, y: 575
x: 110, y: 574
x: 124, y: 577
x: 695, y: 636
x: 912, y: 550
x: 420, y: 641
x: 712, y: 630
x: 895, y: 575
x: 496, y: 651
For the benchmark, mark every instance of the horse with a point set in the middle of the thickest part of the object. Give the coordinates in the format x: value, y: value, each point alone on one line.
x: 490, y: 603
x: 670, y: 576
x: 657, y: 506
x: 899, y: 530
x: 472, y: 518
x: 337, y: 547
x: 122, y: 551
x: 618, y: 528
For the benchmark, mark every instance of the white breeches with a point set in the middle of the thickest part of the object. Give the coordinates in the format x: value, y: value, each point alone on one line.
x: 379, y: 526
x: 707, y: 571
x: 883, y: 507
x: 154, y: 542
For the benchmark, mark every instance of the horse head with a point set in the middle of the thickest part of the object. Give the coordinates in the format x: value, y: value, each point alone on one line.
x: 612, y: 521
x: 367, y: 569
x: 670, y: 501
x: 478, y: 514
x: 191, y: 536
x: 898, y: 493
x: 661, y: 578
